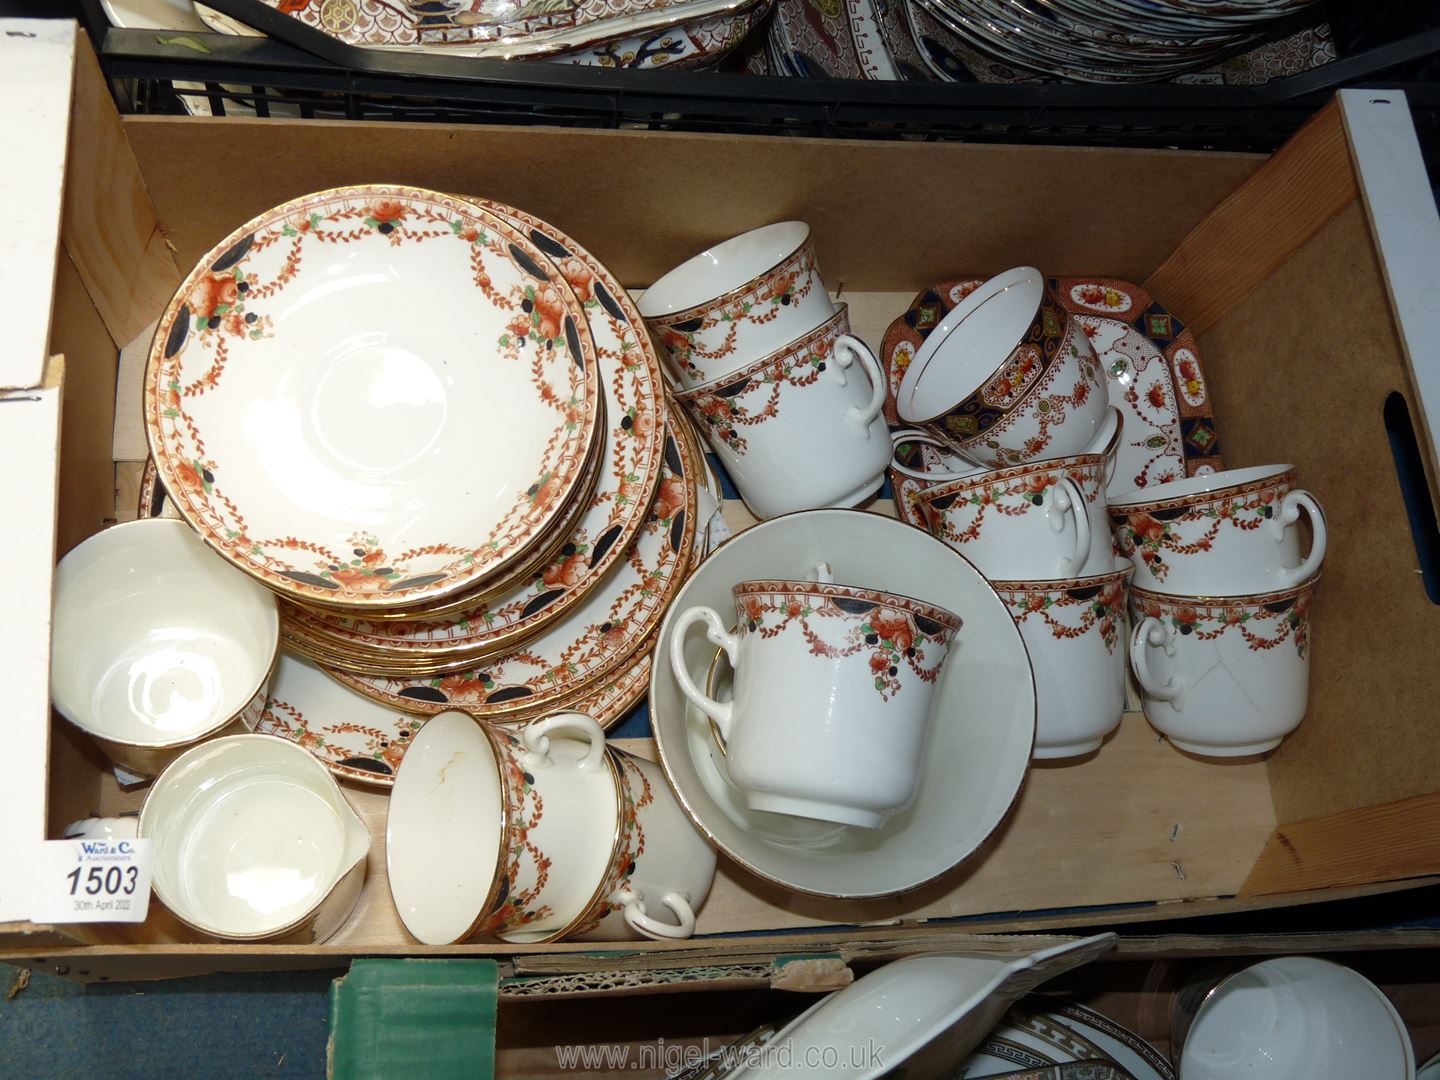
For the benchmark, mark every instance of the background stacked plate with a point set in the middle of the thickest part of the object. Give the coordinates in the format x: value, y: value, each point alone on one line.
x: 486, y: 508
x: 632, y: 34
x: 1231, y: 41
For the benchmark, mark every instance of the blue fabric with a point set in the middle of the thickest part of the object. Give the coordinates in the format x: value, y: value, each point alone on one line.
x: 216, y: 1027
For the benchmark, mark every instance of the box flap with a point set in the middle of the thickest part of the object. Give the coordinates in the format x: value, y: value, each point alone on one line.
x: 29, y: 432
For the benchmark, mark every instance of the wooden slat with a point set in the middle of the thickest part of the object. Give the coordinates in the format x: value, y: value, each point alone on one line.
x: 644, y: 203
x: 1257, y: 228
x: 109, y: 227
x: 1374, y: 843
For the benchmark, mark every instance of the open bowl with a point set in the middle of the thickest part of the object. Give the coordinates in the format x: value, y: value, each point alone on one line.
x: 158, y: 643
x: 255, y: 842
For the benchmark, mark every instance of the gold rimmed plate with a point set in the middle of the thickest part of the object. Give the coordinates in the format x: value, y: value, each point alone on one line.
x: 326, y: 440
x: 632, y: 449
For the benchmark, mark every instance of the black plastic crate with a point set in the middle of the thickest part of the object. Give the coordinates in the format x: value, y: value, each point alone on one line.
x: 306, y: 72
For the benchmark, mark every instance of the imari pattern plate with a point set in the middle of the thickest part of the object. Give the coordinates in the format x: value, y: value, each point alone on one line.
x: 1151, y: 363
x: 372, y: 397
x: 598, y: 637
x: 634, y: 416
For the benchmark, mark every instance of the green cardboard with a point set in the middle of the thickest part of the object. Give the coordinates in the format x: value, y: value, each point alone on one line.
x: 402, y: 1018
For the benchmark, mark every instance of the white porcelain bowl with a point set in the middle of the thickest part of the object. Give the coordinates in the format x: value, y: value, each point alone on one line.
x: 254, y: 841
x: 980, y: 740
x: 1296, y: 1016
x: 158, y: 643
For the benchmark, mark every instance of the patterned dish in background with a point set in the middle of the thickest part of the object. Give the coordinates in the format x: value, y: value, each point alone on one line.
x: 698, y: 44
x: 1040, y: 1032
x: 1151, y: 363
x: 530, y: 28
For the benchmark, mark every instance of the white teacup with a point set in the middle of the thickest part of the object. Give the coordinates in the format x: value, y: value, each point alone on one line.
x: 1075, y: 633
x: 496, y: 832
x: 1007, y: 377
x: 1045, y: 520
x: 1231, y: 533
x: 661, y: 869
x: 1223, y: 676
x: 254, y: 842
x: 740, y: 300
x: 832, y: 693
x: 801, y: 428
x: 159, y: 644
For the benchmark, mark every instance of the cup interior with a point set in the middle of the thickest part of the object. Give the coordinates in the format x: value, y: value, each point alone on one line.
x: 250, y: 835
x: 157, y: 640
x: 970, y: 344
x: 723, y: 268
x: 444, y: 829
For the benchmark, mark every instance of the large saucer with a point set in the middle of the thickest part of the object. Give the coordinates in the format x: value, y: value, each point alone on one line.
x: 980, y: 743
x: 295, y: 340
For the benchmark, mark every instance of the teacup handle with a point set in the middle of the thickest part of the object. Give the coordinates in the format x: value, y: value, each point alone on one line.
x: 848, y: 348
x: 536, y: 739
x: 1153, y: 634
x: 719, y: 711
x: 916, y: 435
x: 1069, y: 501
x: 679, y: 903
x: 1290, y: 508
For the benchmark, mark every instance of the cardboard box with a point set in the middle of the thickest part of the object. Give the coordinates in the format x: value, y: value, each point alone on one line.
x: 1309, y: 278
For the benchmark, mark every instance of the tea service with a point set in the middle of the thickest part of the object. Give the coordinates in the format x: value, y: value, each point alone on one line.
x: 843, y: 704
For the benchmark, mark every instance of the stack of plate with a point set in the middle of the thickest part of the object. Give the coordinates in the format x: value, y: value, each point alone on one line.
x: 1019, y: 40
x: 436, y: 428
x: 622, y: 33
x: 1114, y: 40
x: 637, y: 34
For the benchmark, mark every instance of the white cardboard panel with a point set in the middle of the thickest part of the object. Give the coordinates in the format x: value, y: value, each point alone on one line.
x: 1406, y: 228
x: 30, y: 433
x: 37, y: 60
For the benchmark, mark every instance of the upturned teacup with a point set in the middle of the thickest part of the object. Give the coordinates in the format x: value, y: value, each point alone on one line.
x: 739, y: 300
x: 498, y: 832
x: 832, y: 695
x: 1007, y: 377
x: 800, y: 428
x: 1230, y: 533
x: 1223, y: 676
